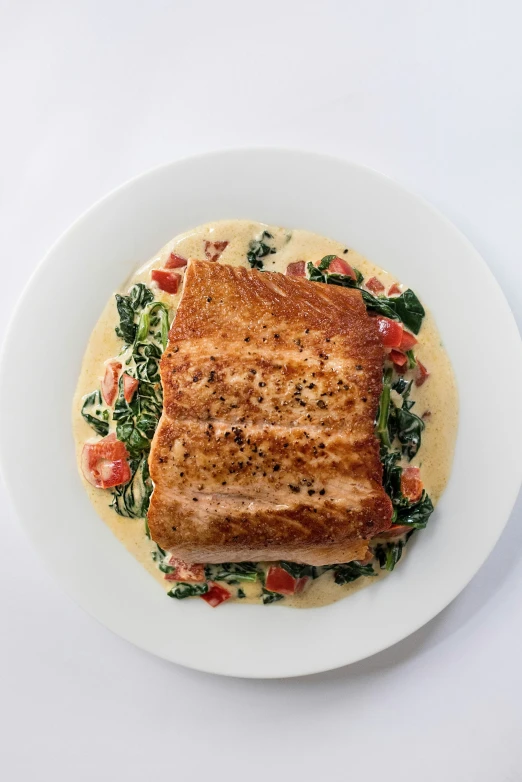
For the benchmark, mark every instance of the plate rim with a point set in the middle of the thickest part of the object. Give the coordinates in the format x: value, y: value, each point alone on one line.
x: 118, y: 190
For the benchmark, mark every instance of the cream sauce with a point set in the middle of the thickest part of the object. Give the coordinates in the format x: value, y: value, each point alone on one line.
x: 438, y: 395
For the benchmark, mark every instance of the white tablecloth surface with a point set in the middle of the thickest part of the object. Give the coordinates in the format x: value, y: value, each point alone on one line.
x: 93, y: 93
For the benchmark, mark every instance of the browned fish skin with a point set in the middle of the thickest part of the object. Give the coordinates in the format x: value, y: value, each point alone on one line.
x: 266, y: 448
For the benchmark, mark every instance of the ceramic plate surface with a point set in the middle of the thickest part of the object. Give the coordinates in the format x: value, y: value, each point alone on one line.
x: 60, y: 306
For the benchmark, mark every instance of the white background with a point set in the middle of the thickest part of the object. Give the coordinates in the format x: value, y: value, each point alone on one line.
x: 92, y: 93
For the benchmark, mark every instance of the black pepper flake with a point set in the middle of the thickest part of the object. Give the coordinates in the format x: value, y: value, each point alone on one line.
x: 176, y: 349
x: 209, y: 298
x: 311, y: 492
x: 181, y: 474
x: 277, y: 467
x: 253, y: 371
x: 223, y: 483
x: 212, y: 376
x: 212, y: 358
x: 322, y: 492
x: 196, y: 378
x: 227, y: 434
x: 221, y: 398
x: 344, y: 252
x: 247, y: 339
x: 307, y: 331
x: 195, y: 499
x: 321, y: 403
x: 286, y: 445
x: 311, y: 385
x: 302, y: 403
x: 321, y: 445
x: 358, y: 367
x: 174, y: 529
x: 276, y: 336
x: 259, y: 398
x: 293, y: 488
x: 364, y: 399
x: 262, y: 385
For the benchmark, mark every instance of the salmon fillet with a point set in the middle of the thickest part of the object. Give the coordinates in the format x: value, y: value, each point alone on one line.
x: 266, y: 447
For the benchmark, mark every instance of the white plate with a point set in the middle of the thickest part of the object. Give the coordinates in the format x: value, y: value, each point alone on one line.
x: 41, y: 362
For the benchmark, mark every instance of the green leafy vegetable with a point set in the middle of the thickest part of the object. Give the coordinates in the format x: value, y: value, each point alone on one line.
x: 412, y: 363
x: 406, y: 308
x: 380, y: 305
x: 232, y: 572
x: 319, y: 274
x: 95, y: 413
x: 137, y: 420
x: 128, y: 307
x: 299, y: 571
x: 388, y: 554
x: 407, y: 427
x: 132, y: 499
x: 181, y: 591
x: 325, y: 262
x: 416, y: 515
x: 351, y: 571
x: 240, y: 593
x: 271, y: 597
x: 259, y: 249
x: 409, y: 310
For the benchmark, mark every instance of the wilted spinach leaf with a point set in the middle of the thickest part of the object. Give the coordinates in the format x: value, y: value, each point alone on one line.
x: 351, y: 571
x: 271, y: 597
x: 95, y: 413
x: 132, y: 499
x: 299, y: 571
x: 388, y: 554
x: 181, y: 591
x: 409, y: 310
x: 417, y: 515
x: 129, y: 306
x: 259, y: 249
x: 232, y: 572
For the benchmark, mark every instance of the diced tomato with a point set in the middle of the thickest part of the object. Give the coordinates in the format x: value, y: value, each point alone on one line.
x: 213, y: 250
x: 394, y: 531
x: 407, y: 341
x: 423, y: 374
x: 390, y: 331
x: 296, y: 269
x: 104, y: 463
x: 340, y: 266
x: 374, y: 285
x: 167, y: 281
x: 216, y: 594
x: 394, y: 290
x: 130, y: 384
x: 279, y: 580
x: 185, y: 572
x: 398, y: 358
x: 175, y: 262
x: 109, y: 384
x: 411, y: 484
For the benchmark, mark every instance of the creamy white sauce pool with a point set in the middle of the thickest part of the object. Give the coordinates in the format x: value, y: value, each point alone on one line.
x: 438, y: 395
